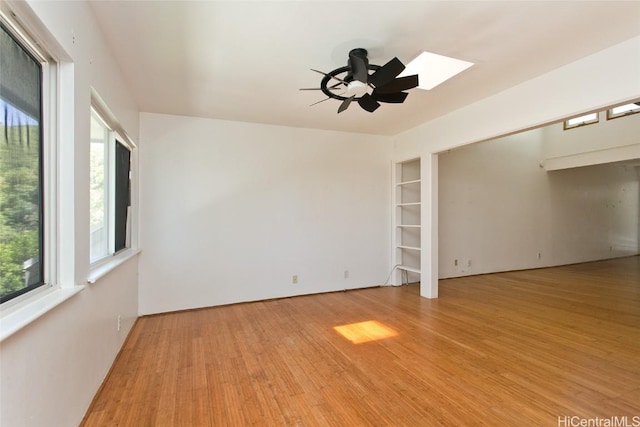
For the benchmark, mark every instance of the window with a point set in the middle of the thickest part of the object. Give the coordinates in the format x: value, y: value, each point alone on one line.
x: 21, y: 166
x: 586, y: 119
x: 110, y: 199
x: 623, y: 110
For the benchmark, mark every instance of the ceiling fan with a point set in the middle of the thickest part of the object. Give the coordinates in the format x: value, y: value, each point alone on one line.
x: 382, y: 85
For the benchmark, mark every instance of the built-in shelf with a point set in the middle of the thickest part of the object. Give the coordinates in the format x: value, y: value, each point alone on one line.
x: 413, y: 181
x: 408, y: 219
x: 407, y: 268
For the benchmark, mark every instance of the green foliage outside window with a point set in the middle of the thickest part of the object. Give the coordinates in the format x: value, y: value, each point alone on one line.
x: 19, y: 203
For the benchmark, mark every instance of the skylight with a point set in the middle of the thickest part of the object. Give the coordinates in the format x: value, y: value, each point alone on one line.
x: 433, y: 69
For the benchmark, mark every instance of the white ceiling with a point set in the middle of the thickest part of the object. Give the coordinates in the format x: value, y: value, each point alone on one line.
x: 246, y: 61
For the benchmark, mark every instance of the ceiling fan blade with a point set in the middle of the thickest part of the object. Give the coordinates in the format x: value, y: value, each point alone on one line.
x: 394, y: 98
x: 329, y: 75
x: 399, y: 84
x: 317, y: 88
x: 368, y: 103
x: 359, y: 65
x: 322, y: 100
x: 386, y: 73
x: 345, y: 104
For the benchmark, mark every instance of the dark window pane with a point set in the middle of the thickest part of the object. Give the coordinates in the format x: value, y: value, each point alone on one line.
x: 123, y: 161
x: 21, y: 225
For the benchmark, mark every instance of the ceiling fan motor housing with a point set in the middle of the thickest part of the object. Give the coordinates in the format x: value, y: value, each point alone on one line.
x: 359, y: 52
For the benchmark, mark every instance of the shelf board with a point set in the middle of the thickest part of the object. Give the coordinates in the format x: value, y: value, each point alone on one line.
x: 407, y: 268
x: 415, y: 181
x: 409, y: 225
x: 409, y: 204
x: 413, y: 248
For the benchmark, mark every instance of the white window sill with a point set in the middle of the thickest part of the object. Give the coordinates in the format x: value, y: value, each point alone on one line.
x: 22, y: 313
x: 103, y: 267
x: 19, y: 316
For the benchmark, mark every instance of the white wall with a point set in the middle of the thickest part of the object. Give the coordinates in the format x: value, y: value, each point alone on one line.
x: 499, y: 209
x: 581, y: 86
x: 231, y: 211
x: 603, y: 142
x: 52, y: 368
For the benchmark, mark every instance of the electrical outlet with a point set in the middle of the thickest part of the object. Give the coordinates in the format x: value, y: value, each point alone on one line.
x: 346, y: 274
x: 455, y: 262
x: 119, y: 323
x: 294, y: 279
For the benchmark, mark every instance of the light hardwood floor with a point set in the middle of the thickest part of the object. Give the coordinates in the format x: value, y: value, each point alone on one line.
x: 519, y: 349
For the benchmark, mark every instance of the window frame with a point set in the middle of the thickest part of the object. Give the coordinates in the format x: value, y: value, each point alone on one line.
x: 102, y: 114
x: 611, y: 115
x: 107, y: 187
x: 46, y: 168
x: 567, y: 126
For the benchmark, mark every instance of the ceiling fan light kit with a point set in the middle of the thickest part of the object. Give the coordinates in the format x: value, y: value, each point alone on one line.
x: 365, y: 83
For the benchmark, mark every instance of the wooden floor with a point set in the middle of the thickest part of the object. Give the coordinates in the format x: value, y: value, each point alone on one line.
x: 518, y: 349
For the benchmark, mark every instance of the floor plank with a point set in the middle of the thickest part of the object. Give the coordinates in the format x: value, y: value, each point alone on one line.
x: 516, y: 348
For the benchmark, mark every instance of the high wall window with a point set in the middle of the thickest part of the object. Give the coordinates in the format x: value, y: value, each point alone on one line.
x: 21, y: 167
x: 612, y: 113
x: 623, y: 110
x: 109, y: 190
x: 575, y: 122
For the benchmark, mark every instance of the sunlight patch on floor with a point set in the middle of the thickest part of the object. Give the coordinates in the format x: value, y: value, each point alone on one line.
x: 362, y: 332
